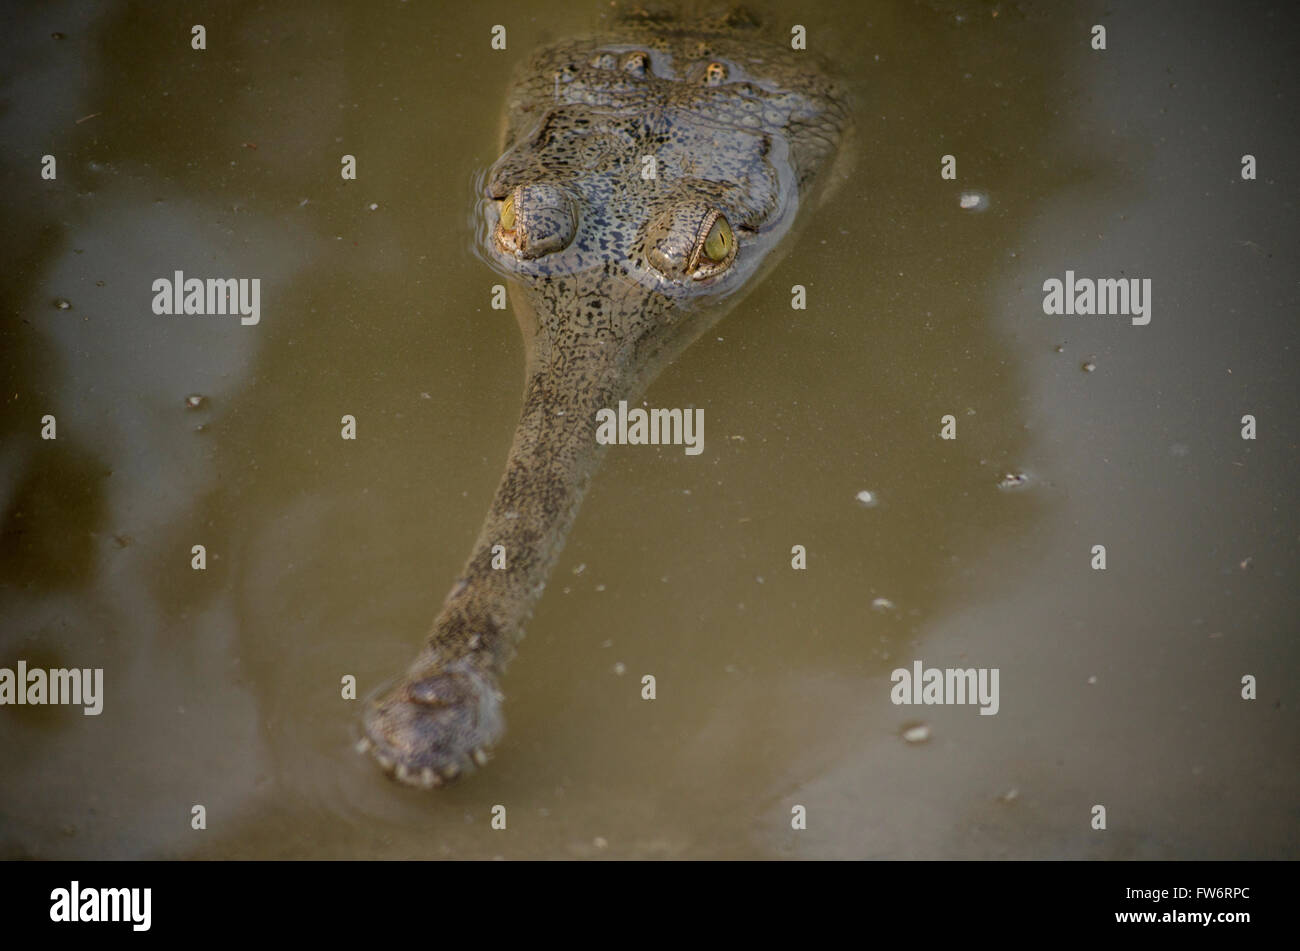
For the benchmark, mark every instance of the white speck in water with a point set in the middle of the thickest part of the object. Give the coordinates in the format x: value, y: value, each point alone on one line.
x: 917, y: 734
x: 973, y: 201
x: 195, y: 401
x: 1092, y: 679
x: 867, y: 498
x: 600, y: 587
x: 882, y: 604
x: 620, y: 668
x: 373, y: 206
x: 580, y: 568
x: 62, y: 303
x: 1014, y: 480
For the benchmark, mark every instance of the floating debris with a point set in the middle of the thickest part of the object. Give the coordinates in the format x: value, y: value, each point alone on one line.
x: 195, y: 401
x: 580, y: 568
x: 882, y: 604
x: 917, y: 734
x: 1089, y: 366
x: 1011, y: 795
x: 1013, y: 480
x: 620, y: 668
x: 62, y: 303
x: 867, y: 499
x: 973, y: 201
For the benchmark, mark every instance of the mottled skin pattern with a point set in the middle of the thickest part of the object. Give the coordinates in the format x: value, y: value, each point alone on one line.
x: 610, y: 279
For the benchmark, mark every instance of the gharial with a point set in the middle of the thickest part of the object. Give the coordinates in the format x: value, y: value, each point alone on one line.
x: 613, y: 271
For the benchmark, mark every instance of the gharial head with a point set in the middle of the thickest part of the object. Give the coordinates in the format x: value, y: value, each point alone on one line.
x: 639, y: 181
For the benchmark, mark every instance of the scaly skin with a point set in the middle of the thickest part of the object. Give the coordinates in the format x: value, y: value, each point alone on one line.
x: 610, y: 279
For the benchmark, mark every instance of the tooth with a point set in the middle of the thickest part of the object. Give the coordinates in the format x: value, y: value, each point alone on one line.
x: 452, y: 771
x: 363, y: 745
x: 428, y: 777
x: 403, y: 773
x: 481, y: 757
x: 385, y: 762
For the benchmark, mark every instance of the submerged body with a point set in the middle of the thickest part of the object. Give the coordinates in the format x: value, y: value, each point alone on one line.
x: 643, y: 182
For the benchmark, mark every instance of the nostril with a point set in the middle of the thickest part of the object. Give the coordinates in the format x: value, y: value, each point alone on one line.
x: 436, y: 691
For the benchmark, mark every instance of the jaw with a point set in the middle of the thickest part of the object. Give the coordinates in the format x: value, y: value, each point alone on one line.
x: 618, y: 350
x: 439, y: 721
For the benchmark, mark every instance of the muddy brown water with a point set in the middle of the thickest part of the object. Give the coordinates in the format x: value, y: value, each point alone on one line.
x: 329, y: 558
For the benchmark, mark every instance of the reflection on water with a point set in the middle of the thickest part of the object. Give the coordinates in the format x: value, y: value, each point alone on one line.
x: 327, y: 558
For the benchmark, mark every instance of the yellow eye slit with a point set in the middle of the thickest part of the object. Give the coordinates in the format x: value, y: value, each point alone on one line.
x: 719, y: 241
x: 508, y: 214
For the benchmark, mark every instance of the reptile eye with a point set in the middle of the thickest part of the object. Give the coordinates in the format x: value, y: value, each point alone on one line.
x: 536, y: 220
x: 690, y: 241
x: 717, y: 243
x: 715, y: 74
x: 715, y: 248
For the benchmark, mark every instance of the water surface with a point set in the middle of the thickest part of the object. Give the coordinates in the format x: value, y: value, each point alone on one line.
x: 327, y: 558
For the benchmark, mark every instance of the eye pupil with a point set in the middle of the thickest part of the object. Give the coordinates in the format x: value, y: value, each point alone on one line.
x: 508, y: 214
x: 717, y: 245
